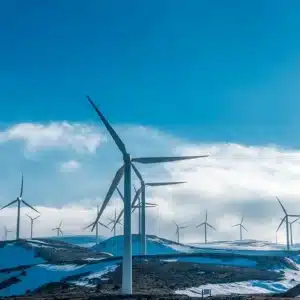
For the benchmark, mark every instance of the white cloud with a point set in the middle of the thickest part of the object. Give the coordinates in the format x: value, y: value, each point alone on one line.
x: 61, y: 135
x: 69, y: 166
x: 235, y: 179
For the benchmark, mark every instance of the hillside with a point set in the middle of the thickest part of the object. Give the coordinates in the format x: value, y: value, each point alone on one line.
x: 45, y: 267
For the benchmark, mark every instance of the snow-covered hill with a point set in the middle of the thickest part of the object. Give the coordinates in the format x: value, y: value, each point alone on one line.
x: 155, y: 245
x: 29, y: 264
x: 79, y: 240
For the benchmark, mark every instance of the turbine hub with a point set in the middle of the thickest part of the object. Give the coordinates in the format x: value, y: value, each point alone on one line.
x: 127, y: 158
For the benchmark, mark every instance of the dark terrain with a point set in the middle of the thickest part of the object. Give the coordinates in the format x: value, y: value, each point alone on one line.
x: 151, y: 280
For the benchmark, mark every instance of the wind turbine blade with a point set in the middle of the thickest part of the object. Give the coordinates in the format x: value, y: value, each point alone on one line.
x: 89, y: 226
x: 200, y: 224
x: 151, y: 204
x: 27, y: 204
x: 281, y: 223
x: 60, y: 224
x: 164, y: 183
x: 36, y: 217
x: 28, y: 216
x: 152, y: 160
x: 294, y: 221
x: 54, y: 228
x: 111, y: 222
x: 111, y: 131
x: 118, y: 219
x: 104, y: 225
x: 281, y: 206
x: 205, y: 216
x: 138, y: 174
x: 183, y: 227
x: 244, y: 228
x: 211, y: 226
x: 9, y: 204
x: 120, y: 223
x: 61, y: 231
x: 111, y: 190
x: 120, y: 194
x: 242, y: 219
x: 236, y: 225
x: 22, y: 184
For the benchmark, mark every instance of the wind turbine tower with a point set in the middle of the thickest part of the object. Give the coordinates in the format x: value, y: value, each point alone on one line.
x: 178, y: 231
x: 286, y: 219
x: 31, y: 224
x: 114, y: 221
x: 125, y: 170
x: 58, y: 229
x: 205, y: 224
x: 19, y: 200
x: 241, y: 228
x: 6, y: 231
x: 291, y: 228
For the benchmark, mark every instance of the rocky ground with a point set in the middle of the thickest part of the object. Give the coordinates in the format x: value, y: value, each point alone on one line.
x: 151, y: 280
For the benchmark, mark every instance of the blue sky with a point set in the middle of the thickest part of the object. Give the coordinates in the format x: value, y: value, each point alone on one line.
x: 224, y: 71
x: 174, y: 78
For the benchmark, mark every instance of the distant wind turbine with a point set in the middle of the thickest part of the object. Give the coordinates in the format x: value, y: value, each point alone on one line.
x: 6, y: 231
x: 205, y: 224
x: 31, y: 224
x: 178, y: 231
x: 139, y: 206
x: 286, y: 219
x: 97, y: 226
x: 125, y: 170
x: 58, y: 229
x: 142, y: 191
x: 114, y: 221
x: 241, y: 228
x: 19, y: 200
x: 291, y: 228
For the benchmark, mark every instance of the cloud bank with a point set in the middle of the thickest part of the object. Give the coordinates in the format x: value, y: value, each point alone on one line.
x: 71, y: 165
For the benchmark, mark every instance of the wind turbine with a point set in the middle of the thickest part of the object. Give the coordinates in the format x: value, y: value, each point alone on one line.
x: 114, y: 221
x: 31, y: 223
x: 178, y: 231
x: 97, y: 226
x: 6, y: 231
x: 139, y: 206
x: 58, y: 230
x: 142, y: 191
x: 291, y: 229
x: 205, y: 227
x: 126, y: 171
x: 19, y: 200
x: 241, y: 228
x: 286, y: 219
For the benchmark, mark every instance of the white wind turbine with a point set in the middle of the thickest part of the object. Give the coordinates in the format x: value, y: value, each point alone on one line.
x: 178, y: 231
x: 291, y: 228
x: 205, y: 224
x: 6, y: 231
x: 97, y: 226
x: 19, y: 200
x: 286, y: 219
x: 31, y: 224
x: 241, y: 228
x: 114, y: 221
x: 139, y: 206
x: 142, y: 220
x: 58, y: 229
x: 126, y: 171
x: 142, y: 191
